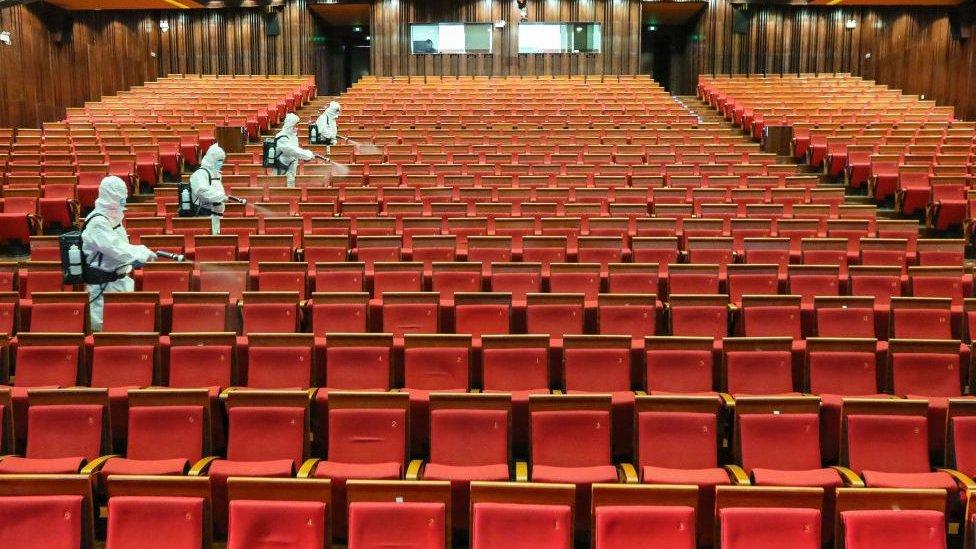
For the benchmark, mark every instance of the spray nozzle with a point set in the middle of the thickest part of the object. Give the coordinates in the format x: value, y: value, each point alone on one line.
x: 174, y: 257
x: 236, y: 199
x: 324, y: 158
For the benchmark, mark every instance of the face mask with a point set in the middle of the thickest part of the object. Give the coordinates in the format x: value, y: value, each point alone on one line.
x: 219, y: 165
x: 122, y: 204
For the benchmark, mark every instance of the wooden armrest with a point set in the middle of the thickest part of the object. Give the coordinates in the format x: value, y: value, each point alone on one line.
x: 626, y: 474
x: 96, y: 464
x: 521, y: 471
x: 415, y: 470
x: 738, y: 475
x: 200, y: 468
x: 849, y: 477
x: 962, y: 480
x: 727, y: 400
x: 307, y: 468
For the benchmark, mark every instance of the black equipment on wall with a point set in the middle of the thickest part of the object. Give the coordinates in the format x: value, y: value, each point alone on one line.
x: 740, y: 21
x: 272, y: 22
x: 961, y: 22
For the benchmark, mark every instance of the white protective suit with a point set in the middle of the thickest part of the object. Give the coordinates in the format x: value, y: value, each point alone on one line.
x: 106, y: 245
x: 289, y: 149
x: 205, y: 184
x: 327, y: 122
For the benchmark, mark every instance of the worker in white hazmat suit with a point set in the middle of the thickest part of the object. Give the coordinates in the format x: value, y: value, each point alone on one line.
x: 107, y: 250
x: 205, y: 183
x: 289, y: 151
x: 328, y: 127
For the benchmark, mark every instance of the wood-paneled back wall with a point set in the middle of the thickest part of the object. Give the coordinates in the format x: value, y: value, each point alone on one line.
x: 111, y: 51
x: 39, y: 78
x: 391, y: 20
x: 908, y: 48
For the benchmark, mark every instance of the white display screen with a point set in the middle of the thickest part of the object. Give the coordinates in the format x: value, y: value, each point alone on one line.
x: 559, y: 38
x: 436, y: 38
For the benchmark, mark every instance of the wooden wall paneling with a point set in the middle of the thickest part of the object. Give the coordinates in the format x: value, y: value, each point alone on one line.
x: 391, y: 21
x: 910, y: 48
x: 108, y: 51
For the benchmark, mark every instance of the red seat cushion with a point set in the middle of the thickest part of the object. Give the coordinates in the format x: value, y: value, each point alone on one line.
x: 883, y: 529
x: 122, y: 466
x: 629, y: 526
x: 294, y: 524
x: 748, y: 528
x: 936, y: 480
x: 388, y: 524
x: 155, y: 522
x: 813, y: 477
x: 48, y: 466
x: 22, y: 518
x: 521, y: 526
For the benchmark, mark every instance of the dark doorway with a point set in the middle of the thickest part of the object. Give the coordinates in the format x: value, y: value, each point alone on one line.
x: 342, y: 46
x: 660, y: 48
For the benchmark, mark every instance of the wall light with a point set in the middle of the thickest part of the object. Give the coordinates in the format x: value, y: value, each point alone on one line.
x: 5, y: 38
x: 164, y: 25
x: 850, y: 24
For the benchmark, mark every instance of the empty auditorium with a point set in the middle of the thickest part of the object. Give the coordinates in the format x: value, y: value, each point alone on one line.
x: 487, y: 274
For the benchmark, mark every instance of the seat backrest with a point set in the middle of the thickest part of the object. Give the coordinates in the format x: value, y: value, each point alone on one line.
x: 359, y: 363
x: 579, y: 278
x: 786, y: 442
x: 253, y: 522
x: 437, y: 368
x: 270, y: 318
x: 65, y: 430
x: 368, y: 435
x: 265, y: 433
x: 746, y: 527
x: 542, y: 526
x: 410, y: 315
x: 469, y: 437
x: 58, y: 316
x: 891, y: 444
x: 165, y: 432
x: 279, y: 366
x: 922, y: 373
x: 644, y: 526
x: 853, y: 317
x: 677, y: 440
x: 47, y: 365
x: 775, y: 317
x: 199, y: 316
x: 516, y: 367
x: 123, y: 365
x: 131, y: 517
x: 554, y: 314
x: 123, y: 316
x: 592, y: 367
x: 842, y: 370
x: 914, y: 318
x: 393, y: 524
x: 914, y: 528
x: 339, y: 313
x: 554, y: 432
x: 962, y: 457
x: 758, y: 372
x: 680, y: 370
x: 705, y: 319
x: 479, y: 314
x: 60, y: 518
x: 635, y: 316
x: 205, y: 365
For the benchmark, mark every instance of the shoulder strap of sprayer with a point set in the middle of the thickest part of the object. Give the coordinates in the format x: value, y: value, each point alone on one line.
x: 193, y: 195
x: 98, y: 255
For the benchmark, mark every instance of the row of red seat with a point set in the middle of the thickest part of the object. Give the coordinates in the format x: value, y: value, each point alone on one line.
x: 398, y: 513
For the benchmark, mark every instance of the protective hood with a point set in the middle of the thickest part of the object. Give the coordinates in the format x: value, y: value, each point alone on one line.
x: 291, y: 121
x: 332, y: 111
x: 112, y: 193
x: 213, y: 161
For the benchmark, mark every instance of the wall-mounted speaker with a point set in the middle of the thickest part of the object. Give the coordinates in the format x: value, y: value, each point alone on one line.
x: 961, y: 22
x: 272, y: 24
x: 63, y: 30
x: 740, y: 21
